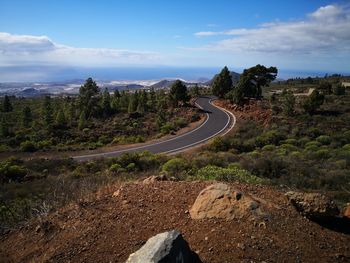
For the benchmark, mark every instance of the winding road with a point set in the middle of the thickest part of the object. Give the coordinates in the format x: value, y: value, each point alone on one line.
x: 218, y: 122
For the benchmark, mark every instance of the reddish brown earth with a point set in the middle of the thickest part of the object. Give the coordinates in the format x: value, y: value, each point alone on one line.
x: 110, y: 227
x: 252, y: 110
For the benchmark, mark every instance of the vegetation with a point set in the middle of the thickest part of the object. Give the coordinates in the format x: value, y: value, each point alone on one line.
x: 222, y: 83
x: 303, y: 147
x: 250, y: 83
x: 92, y: 119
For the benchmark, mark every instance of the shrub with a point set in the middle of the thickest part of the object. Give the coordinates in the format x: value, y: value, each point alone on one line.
x: 28, y: 146
x: 180, y: 123
x: 116, y: 168
x: 291, y: 141
x: 43, y: 145
x: 322, y: 154
x: 167, y: 128
x: 11, y: 170
x: 303, y: 141
x: 313, y: 144
x: 288, y: 147
x: 175, y: 166
x: 346, y: 147
x: 269, y: 148
x: 131, y: 167
x: 324, y: 139
x: 219, y: 144
x: 270, y: 137
x: 231, y: 174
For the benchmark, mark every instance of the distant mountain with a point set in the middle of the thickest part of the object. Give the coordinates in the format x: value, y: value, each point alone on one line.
x: 234, y: 75
x: 32, y: 92
x: 165, y: 83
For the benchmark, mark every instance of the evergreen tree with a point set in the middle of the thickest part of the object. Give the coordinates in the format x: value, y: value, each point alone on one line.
x: 124, y: 101
x: 222, y: 83
x: 27, y: 117
x: 61, y: 120
x: 88, y: 101
x: 7, y: 106
x: 178, y: 93
x: 47, y: 111
x: 4, y: 127
x: 152, y: 102
x: 259, y: 76
x: 142, y: 105
x: 106, y: 103
x: 82, y: 120
x: 313, y: 102
x: 237, y: 95
x: 288, y: 103
x: 133, y: 102
x: 72, y: 113
x: 195, y: 91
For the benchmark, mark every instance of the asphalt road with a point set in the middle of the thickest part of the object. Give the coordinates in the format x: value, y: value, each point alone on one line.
x: 217, y: 122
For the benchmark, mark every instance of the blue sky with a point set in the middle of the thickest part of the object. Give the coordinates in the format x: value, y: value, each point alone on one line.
x: 292, y: 35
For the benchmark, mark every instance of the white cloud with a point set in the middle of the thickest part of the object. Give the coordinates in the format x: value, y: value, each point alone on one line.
x: 16, y: 49
x: 327, y: 30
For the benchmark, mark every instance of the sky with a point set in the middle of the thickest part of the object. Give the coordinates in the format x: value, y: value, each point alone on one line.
x: 296, y: 36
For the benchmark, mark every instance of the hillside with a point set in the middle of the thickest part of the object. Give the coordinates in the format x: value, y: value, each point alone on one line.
x: 110, y: 226
x: 234, y: 76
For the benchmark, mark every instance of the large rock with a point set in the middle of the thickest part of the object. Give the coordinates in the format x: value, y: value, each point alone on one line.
x: 221, y: 201
x: 167, y: 247
x: 313, y: 205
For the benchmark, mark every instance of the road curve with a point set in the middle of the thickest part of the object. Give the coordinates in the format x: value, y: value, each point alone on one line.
x: 218, y: 121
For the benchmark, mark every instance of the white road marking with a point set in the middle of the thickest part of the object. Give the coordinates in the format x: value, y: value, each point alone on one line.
x: 229, y: 114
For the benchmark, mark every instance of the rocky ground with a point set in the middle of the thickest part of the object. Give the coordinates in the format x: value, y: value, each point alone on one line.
x: 122, y: 218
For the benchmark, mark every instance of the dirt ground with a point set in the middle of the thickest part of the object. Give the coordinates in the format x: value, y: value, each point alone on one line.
x: 109, y: 228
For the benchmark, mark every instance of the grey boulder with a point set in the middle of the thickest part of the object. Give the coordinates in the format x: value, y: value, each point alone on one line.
x: 167, y: 247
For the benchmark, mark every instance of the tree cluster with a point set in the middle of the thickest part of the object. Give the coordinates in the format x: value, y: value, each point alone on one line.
x: 250, y: 84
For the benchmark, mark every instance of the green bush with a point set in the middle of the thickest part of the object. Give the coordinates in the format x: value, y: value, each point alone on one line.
x: 180, y: 123
x: 175, y: 166
x: 219, y: 144
x: 269, y: 148
x: 322, y: 154
x: 231, y: 174
x: 167, y: 128
x: 270, y: 137
x: 291, y: 141
x: 324, y: 139
x: 9, y: 171
x: 28, y: 146
x: 116, y: 168
x: 313, y: 144
x: 131, y: 167
x: 44, y: 145
x: 346, y: 147
x: 303, y: 141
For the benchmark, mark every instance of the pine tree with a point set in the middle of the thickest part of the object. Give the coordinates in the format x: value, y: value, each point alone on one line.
x: 133, y: 102
x: 27, y: 117
x: 7, y: 106
x: 61, y: 119
x: 152, y: 102
x: 178, y: 93
x: 47, y: 111
x: 72, y: 111
x: 82, y: 120
x: 4, y: 127
x: 222, y: 83
x: 87, y: 97
x: 106, y: 103
x: 288, y: 103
